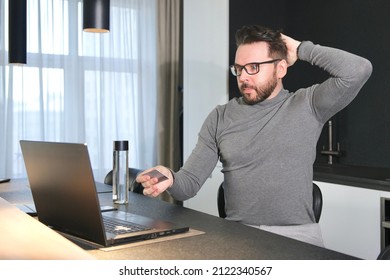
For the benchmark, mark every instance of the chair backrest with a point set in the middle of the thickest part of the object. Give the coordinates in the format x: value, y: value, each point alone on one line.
x: 134, y: 185
x: 384, y: 254
x: 317, y: 202
x: 221, y: 201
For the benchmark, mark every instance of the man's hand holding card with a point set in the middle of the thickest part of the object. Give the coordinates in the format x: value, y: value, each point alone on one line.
x: 155, y: 180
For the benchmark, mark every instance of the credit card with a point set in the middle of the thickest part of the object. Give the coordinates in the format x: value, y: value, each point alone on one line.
x: 156, y: 174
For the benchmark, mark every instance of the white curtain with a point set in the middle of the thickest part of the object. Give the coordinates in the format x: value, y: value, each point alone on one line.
x: 81, y: 87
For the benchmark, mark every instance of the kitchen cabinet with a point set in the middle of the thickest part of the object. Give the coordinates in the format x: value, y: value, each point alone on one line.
x: 351, y: 219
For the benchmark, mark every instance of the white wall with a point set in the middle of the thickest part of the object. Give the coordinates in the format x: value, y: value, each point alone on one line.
x: 206, y: 59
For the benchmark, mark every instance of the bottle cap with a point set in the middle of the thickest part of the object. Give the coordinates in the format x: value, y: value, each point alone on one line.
x: 121, y: 145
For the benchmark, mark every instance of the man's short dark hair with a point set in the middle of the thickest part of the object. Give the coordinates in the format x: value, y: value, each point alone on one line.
x: 255, y: 33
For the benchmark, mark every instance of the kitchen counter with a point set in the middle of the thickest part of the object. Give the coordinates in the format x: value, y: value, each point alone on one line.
x: 357, y: 176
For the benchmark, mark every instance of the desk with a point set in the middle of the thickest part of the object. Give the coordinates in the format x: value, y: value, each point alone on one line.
x: 222, y: 239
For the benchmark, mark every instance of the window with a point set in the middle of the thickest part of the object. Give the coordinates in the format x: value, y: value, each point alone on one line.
x: 81, y: 87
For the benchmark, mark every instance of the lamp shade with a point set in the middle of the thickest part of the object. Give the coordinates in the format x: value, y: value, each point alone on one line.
x: 96, y: 15
x: 17, y: 31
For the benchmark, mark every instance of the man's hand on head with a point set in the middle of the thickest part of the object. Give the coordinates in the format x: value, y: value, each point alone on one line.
x: 292, y: 48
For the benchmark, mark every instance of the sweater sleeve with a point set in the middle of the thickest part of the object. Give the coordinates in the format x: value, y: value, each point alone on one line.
x: 200, y: 164
x: 348, y: 74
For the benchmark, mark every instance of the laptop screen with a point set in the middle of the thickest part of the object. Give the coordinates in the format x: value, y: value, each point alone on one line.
x: 63, y: 188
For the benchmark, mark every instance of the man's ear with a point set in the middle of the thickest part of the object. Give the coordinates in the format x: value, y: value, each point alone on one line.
x: 281, y: 69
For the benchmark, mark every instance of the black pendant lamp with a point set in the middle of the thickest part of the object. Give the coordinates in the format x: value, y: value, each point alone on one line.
x: 17, y: 31
x: 96, y: 16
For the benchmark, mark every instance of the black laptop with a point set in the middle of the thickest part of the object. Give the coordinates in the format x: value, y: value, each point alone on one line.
x: 65, y: 197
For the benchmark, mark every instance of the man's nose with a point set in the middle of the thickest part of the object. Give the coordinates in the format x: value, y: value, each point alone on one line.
x: 244, y: 76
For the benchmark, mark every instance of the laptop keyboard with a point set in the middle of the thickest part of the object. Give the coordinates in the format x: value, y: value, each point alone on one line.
x: 116, y: 227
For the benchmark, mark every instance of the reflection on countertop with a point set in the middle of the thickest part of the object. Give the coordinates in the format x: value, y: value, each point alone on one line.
x: 359, y: 176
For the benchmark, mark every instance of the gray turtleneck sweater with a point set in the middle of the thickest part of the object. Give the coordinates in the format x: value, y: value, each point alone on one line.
x: 267, y: 150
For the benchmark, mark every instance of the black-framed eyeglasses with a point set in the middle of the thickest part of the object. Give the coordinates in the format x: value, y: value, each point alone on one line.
x: 251, y: 68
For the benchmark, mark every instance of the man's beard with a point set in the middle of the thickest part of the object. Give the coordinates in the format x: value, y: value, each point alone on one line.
x: 262, y: 93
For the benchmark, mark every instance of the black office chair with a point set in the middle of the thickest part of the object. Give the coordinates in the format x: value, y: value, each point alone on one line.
x: 384, y: 254
x: 134, y: 185
x: 317, y: 202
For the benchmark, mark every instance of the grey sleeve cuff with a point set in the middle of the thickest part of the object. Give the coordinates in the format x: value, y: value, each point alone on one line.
x: 304, y: 50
